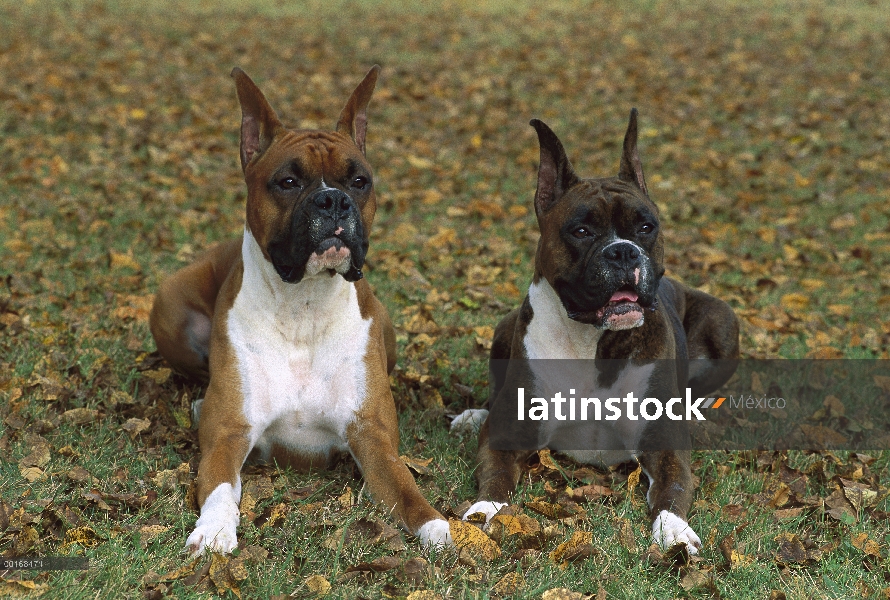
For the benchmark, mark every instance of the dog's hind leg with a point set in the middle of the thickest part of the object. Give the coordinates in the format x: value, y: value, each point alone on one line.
x: 183, y: 309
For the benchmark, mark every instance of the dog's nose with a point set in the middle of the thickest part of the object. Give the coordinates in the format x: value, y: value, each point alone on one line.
x: 622, y: 253
x: 332, y: 201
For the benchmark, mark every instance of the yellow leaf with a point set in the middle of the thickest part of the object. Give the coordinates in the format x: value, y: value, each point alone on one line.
x: 580, y: 543
x: 561, y: 594
x: 159, y: 376
x: 633, y: 480
x: 418, y: 465
x: 424, y: 595
x: 419, y: 162
x: 31, y: 474
x: 118, y: 260
x: 547, y: 460
x: 345, y: 499
x: 795, y: 301
x: 317, y: 585
x: 509, y: 584
x: 469, y: 537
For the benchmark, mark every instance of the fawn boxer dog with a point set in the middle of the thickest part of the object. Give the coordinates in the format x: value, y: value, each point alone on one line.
x: 296, y: 347
x: 599, y: 293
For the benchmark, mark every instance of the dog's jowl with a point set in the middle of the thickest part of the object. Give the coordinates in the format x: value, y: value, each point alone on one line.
x: 599, y: 293
x: 296, y: 347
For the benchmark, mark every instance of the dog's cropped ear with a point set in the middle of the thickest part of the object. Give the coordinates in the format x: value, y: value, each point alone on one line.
x: 555, y: 173
x: 631, y: 169
x: 354, y: 117
x: 259, y: 123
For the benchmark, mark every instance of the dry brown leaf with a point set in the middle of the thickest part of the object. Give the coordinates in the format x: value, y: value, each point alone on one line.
x: 134, y: 426
x: 378, y: 565
x: 578, y: 547
x: 424, y: 595
x: 866, y: 544
x: 20, y: 588
x: 509, y: 584
x: 694, y: 579
x: 561, y: 594
x: 181, y: 475
x: 118, y: 260
x: 159, y: 376
x: 469, y: 537
x: 547, y: 461
x: 80, y: 416
x: 626, y: 535
x: 792, y: 550
x: 503, y: 526
x: 591, y: 492
x: 633, y: 480
x: 554, y: 511
x: 420, y: 466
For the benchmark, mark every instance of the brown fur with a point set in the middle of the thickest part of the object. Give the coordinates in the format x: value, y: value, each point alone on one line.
x: 198, y: 298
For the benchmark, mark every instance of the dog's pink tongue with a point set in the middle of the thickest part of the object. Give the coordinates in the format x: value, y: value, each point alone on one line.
x: 623, y: 296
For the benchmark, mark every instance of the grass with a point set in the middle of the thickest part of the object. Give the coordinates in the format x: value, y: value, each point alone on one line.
x: 763, y: 136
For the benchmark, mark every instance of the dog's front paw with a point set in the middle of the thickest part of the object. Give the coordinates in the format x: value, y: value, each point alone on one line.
x: 489, y: 509
x: 435, y: 534
x: 669, y: 529
x: 215, y: 529
x: 469, y: 421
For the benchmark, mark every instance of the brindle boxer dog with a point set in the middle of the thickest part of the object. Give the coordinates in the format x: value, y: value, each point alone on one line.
x: 599, y: 293
x: 296, y: 347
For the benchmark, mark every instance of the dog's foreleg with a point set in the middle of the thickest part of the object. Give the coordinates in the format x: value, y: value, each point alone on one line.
x: 670, y: 497
x: 224, y: 446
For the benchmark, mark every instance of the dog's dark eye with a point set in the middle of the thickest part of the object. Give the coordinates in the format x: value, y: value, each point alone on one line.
x: 360, y: 183
x: 289, y: 183
x: 647, y: 228
x: 581, y: 232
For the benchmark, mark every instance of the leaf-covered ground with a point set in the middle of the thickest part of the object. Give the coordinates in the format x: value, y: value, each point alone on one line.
x: 765, y: 132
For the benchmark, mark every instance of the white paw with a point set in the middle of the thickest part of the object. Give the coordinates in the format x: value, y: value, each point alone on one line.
x: 435, y: 534
x: 469, y: 421
x: 669, y: 529
x: 215, y: 529
x: 489, y: 509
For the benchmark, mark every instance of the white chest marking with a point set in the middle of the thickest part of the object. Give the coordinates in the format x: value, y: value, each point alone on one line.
x: 551, y: 334
x: 300, y: 352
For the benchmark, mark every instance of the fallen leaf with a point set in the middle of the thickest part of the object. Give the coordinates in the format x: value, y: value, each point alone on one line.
x: 578, y: 547
x: 503, y: 526
x: 469, y: 537
x: 692, y: 579
x: 509, y: 584
x: 134, y: 426
x: 561, y: 594
x: 866, y: 544
x: 633, y: 480
x: 419, y: 465
x: 424, y: 595
x: 318, y: 585
x: 226, y: 572
x: 552, y: 510
x: 792, y: 550
x: 378, y: 565
x: 31, y: 474
x: 80, y: 416
x: 626, y: 535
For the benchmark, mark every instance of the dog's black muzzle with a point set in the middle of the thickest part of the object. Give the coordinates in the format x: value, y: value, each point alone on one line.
x: 327, y: 218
